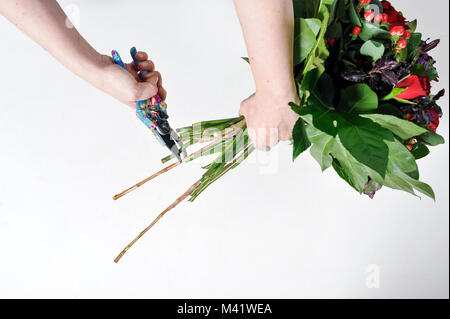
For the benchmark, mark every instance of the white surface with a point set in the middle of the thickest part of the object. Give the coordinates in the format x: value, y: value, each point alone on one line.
x: 67, y: 148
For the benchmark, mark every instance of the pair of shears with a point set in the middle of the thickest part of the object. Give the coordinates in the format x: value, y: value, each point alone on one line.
x: 153, y: 113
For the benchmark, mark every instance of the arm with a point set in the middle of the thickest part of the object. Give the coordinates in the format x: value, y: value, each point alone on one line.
x: 268, y: 27
x: 45, y: 22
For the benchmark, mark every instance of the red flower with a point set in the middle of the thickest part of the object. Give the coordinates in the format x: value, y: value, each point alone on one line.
x: 398, y: 30
x: 369, y: 15
x: 407, y: 34
x: 364, y: 1
x: 416, y: 86
x: 434, y: 118
x: 402, y: 43
x: 382, y: 18
x: 395, y: 19
x: 356, y: 30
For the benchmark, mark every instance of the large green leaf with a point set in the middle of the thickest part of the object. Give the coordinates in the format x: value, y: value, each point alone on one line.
x: 366, y: 141
x: 401, y: 160
x: 373, y: 49
x: 354, y: 169
x: 342, y: 173
x: 419, y: 186
x: 359, y: 98
x: 402, y: 128
x: 323, y: 145
x: 317, y: 115
x: 408, y: 184
x: 301, y: 141
x: 305, y: 39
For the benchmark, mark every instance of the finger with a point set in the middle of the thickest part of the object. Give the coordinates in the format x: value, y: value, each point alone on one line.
x: 162, y: 92
x: 145, y: 90
x: 142, y: 56
x: 131, y: 67
x: 153, y: 74
x: 147, y: 66
x: 155, y: 77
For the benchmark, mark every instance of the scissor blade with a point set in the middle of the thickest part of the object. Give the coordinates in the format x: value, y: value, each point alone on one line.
x: 172, y: 146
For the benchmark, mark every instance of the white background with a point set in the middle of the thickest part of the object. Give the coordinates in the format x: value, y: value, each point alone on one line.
x: 66, y: 148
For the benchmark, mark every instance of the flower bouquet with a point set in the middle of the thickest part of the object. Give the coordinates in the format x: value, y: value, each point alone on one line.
x: 366, y: 110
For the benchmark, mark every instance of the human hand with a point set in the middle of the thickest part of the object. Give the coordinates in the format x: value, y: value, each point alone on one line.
x: 269, y: 118
x: 127, y: 86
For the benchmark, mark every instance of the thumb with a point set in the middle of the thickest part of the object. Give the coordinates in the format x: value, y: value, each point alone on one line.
x: 146, y: 90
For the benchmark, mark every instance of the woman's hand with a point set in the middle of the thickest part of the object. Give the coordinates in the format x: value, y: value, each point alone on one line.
x: 127, y: 86
x: 269, y: 118
x: 268, y: 27
x: 45, y: 22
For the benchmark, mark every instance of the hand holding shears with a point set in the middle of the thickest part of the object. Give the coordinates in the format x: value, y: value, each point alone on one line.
x: 153, y: 113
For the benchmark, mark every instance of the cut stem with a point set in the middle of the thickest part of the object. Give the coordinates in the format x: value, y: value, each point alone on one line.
x: 132, y: 188
x: 189, y: 158
x: 172, y: 206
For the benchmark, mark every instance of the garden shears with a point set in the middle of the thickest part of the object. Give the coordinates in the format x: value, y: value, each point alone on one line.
x: 153, y: 113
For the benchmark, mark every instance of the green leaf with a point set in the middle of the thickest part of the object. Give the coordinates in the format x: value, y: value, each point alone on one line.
x: 373, y: 49
x: 366, y: 141
x: 401, y: 160
x: 412, y: 26
x: 353, y: 13
x: 319, y: 53
x: 305, y: 38
x: 431, y: 73
x: 420, y: 151
x: 419, y: 186
x: 313, y: 24
x: 246, y: 59
x: 402, y: 128
x: 323, y: 145
x: 342, y: 173
x: 432, y: 139
x: 301, y: 141
x: 359, y: 98
x: 317, y: 115
x: 397, y: 181
x: 306, y: 9
x: 413, y: 43
x: 408, y: 184
x: 356, y: 172
x: 370, y: 31
x: 389, y: 109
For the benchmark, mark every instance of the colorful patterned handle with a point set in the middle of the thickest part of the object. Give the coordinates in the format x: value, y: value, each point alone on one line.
x: 141, y: 106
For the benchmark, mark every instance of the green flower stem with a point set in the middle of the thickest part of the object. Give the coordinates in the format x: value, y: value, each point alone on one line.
x: 233, y: 164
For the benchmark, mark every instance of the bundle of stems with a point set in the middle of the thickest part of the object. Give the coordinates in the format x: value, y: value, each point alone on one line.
x: 227, y: 138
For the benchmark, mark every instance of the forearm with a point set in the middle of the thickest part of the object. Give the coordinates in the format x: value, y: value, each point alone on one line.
x: 268, y: 27
x: 45, y: 22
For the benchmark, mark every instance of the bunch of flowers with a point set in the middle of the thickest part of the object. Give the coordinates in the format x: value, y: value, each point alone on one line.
x: 364, y: 80
x: 364, y: 76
